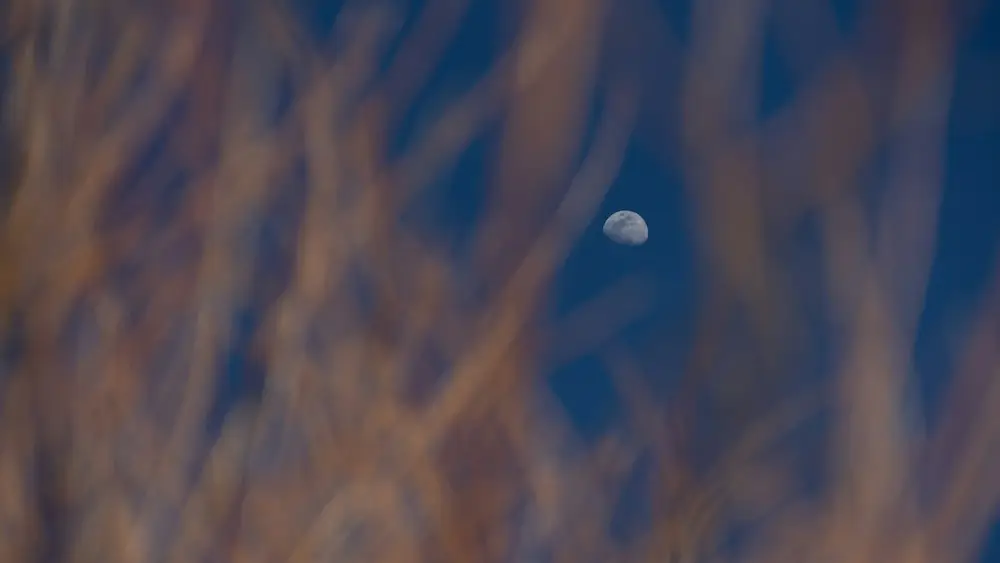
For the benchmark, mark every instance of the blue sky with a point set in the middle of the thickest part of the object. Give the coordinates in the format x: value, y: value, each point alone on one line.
x: 650, y: 183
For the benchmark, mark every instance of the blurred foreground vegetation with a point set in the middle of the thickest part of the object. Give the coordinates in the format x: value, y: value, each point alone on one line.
x: 222, y: 343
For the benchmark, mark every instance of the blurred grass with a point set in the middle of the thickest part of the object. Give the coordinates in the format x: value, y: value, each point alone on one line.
x: 224, y: 345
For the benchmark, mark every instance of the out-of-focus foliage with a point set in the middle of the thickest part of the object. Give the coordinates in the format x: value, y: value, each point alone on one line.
x: 222, y: 343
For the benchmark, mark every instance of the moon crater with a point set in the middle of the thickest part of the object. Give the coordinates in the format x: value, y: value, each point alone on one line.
x: 626, y: 227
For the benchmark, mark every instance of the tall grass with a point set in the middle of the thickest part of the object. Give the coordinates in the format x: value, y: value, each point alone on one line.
x: 224, y: 344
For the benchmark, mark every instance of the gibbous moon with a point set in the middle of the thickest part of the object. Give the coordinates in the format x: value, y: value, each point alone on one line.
x: 626, y: 227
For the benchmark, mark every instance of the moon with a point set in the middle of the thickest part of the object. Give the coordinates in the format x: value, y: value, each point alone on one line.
x: 626, y: 227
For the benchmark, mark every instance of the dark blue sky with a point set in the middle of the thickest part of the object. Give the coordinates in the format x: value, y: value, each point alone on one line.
x: 650, y: 183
